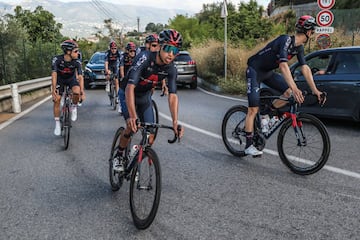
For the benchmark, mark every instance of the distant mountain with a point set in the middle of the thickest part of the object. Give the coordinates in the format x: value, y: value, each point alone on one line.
x: 82, y: 19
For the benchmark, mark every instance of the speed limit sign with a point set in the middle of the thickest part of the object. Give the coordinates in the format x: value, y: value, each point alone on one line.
x: 326, y: 4
x: 325, y: 18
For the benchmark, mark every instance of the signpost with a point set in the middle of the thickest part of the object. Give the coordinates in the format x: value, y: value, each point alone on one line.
x: 324, y: 19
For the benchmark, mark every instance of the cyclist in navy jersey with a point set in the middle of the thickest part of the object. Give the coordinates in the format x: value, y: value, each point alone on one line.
x: 275, y: 55
x: 126, y: 61
x: 147, y: 70
x: 112, y: 60
x: 66, y: 70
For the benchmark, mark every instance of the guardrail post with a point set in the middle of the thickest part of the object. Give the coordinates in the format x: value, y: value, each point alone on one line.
x: 15, y: 98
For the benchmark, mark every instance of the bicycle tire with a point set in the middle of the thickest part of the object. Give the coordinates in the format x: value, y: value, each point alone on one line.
x: 66, y: 127
x: 232, y: 130
x: 116, y: 180
x: 113, y: 97
x: 156, y: 116
x: 142, y: 183
x: 314, y: 151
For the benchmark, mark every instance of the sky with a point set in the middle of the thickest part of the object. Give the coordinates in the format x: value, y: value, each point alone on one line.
x: 191, y: 5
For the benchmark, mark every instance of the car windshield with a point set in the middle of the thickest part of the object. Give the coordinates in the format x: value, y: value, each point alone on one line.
x: 98, y: 58
x: 183, y: 58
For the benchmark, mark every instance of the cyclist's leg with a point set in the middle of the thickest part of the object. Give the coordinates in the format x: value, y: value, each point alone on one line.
x: 276, y: 81
x: 56, y: 107
x: 122, y: 100
x: 146, y: 113
x: 253, y: 94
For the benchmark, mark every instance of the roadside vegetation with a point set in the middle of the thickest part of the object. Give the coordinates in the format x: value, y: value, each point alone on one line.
x: 29, y: 40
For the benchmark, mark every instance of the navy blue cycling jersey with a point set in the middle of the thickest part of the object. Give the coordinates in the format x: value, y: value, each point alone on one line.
x: 281, y: 49
x: 112, y: 58
x: 125, y: 61
x: 66, y: 70
x: 145, y: 73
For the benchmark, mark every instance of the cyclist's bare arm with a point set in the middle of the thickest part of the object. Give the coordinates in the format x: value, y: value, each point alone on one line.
x: 306, y: 71
x: 53, y: 85
x: 285, y: 70
x: 130, y: 103
x: 174, y: 108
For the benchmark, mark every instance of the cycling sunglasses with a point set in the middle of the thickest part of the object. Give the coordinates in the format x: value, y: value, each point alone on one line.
x: 170, y: 48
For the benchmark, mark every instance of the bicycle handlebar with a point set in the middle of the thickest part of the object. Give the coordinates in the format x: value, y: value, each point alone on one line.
x: 291, y: 99
x: 157, y: 125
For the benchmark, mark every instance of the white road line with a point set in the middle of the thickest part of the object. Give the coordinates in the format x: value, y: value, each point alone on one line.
x: 10, y: 121
x: 268, y: 151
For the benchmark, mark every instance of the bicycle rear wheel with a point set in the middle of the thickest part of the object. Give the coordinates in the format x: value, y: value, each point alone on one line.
x: 115, y: 179
x: 145, y: 189
x: 156, y: 116
x: 66, y: 127
x: 232, y: 130
x: 308, y: 155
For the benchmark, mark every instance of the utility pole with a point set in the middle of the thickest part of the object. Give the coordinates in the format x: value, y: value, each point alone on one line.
x: 138, y: 24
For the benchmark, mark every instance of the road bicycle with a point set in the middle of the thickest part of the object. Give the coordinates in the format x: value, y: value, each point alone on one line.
x: 142, y: 168
x: 65, y: 121
x: 303, y: 142
x: 112, y: 93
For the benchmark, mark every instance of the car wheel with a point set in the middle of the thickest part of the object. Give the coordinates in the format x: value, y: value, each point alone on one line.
x: 193, y: 85
x: 86, y: 84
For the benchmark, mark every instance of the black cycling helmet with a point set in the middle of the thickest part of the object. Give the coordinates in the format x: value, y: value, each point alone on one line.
x: 112, y: 44
x: 130, y: 46
x: 68, y: 45
x: 152, y: 38
x: 171, y: 37
x: 305, y: 23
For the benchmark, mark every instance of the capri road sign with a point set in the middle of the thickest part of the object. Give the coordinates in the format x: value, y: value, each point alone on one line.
x: 325, y: 18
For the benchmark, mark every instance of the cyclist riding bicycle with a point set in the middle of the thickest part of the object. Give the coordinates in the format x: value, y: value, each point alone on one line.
x: 276, y: 54
x: 66, y: 70
x: 147, y: 70
x: 112, y: 60
x: 125, y: 64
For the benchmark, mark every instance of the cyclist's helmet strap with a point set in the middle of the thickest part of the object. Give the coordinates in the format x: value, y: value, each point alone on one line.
x: 171, y: 37
x: 68, y: 45
x: 305, y: 23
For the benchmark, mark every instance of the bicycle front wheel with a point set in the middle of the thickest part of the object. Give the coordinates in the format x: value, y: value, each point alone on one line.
x: 232, y: 130
x: 145, y: 189
x: 156, y: 116
x: 305, y: 148
x: 115, y: 179
x: 66, y: 127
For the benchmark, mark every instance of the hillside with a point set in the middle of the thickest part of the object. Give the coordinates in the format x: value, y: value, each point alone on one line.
x: 82, y: 19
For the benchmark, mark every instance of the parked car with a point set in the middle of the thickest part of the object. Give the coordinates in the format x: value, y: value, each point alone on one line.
x: 186, y: 68
x: 94, y: 73
x: 337, y: 72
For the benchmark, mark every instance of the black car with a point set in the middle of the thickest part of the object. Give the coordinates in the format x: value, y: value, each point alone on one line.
x: 337, y: 72
x: 186, y: 68
x: 94, y: 73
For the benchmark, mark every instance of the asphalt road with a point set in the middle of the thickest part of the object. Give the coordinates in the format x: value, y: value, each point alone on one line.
x: 49, y: 193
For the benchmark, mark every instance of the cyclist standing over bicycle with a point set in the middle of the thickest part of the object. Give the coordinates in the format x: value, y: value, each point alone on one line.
x: 146, y: 71
x: 126, y: 61
x: 112, y: 60
x: 261, y: 66
x: 66, y: 70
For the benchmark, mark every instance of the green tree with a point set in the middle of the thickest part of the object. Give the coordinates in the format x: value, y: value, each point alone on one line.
x: 39, y: 24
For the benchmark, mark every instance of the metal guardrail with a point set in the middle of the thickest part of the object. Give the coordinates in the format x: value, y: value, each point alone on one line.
x: 15, y: 90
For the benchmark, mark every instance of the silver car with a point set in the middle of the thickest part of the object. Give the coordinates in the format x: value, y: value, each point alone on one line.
x: 186, y: 68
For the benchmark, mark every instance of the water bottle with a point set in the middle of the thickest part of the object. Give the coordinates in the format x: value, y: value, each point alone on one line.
x: 265, y: 123
x: 273, y: 121
x: 133, y: 151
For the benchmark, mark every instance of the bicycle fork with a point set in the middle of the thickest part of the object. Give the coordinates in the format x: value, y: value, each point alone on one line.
x: 297, y: 126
